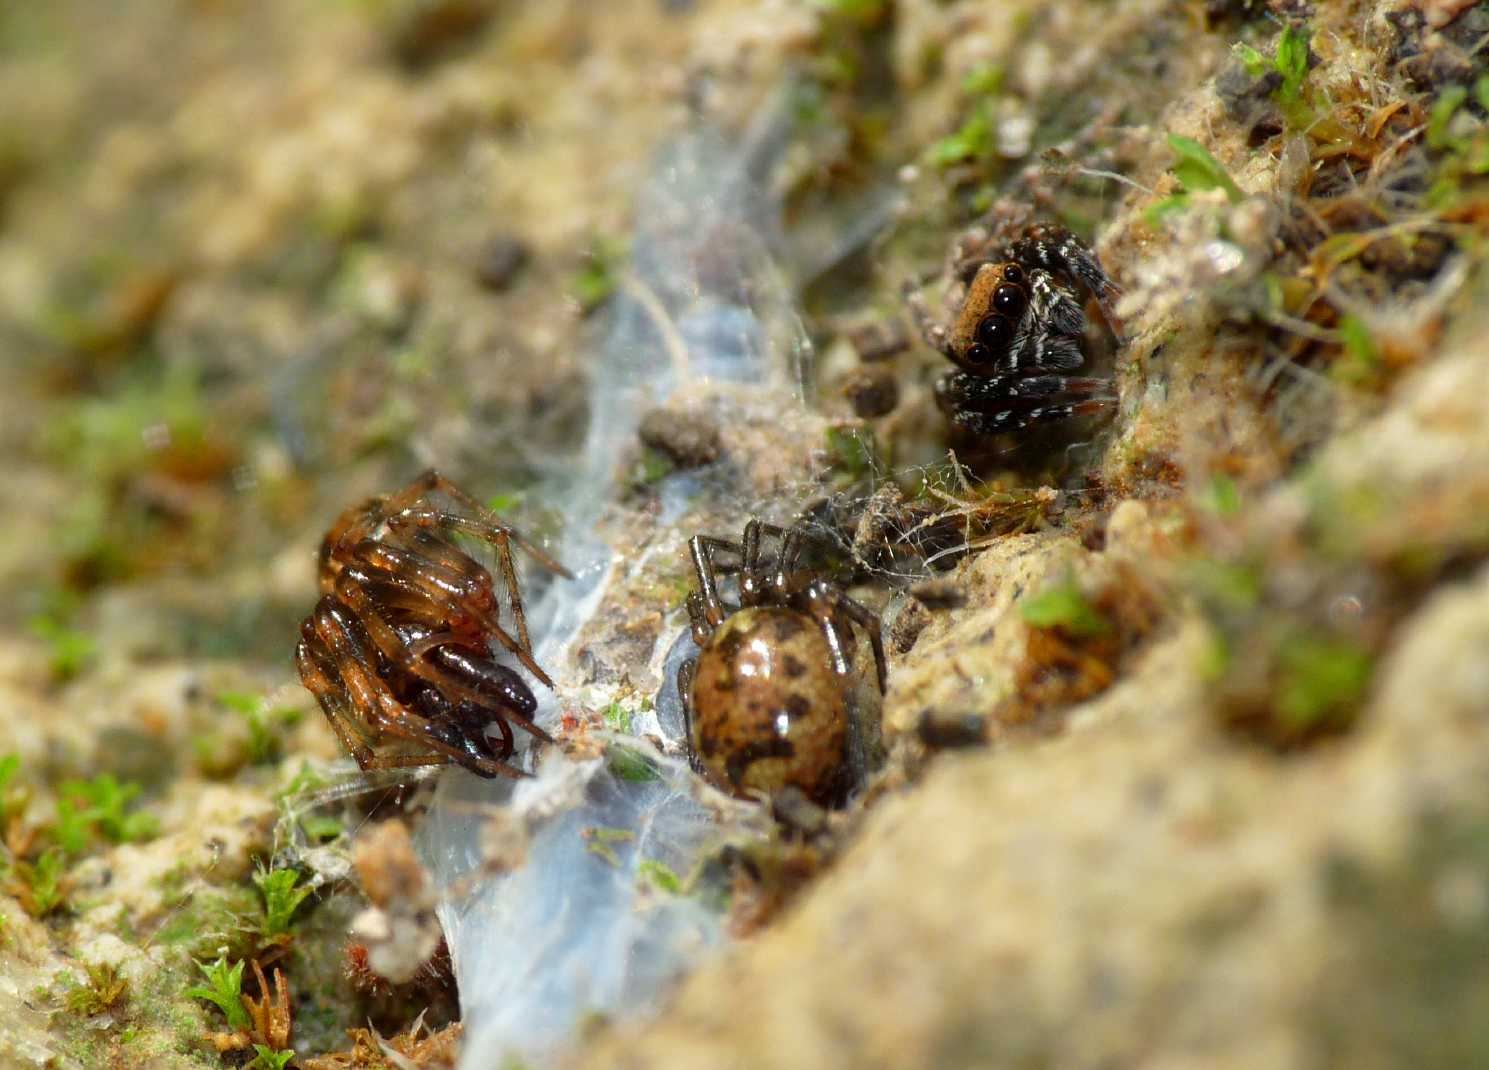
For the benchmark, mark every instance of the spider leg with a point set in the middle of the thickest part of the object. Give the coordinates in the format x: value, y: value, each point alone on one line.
x: 1058, y: 250
x: 397, y: 720
x: 319, y: 675
x: 1037, y: 350
x: 869, y: 621
x: 935, y: 334
x: 416, y: 663
x: 698, y: 618
x: 702, y: 548
x: 432, y: 480
x: 685, y: 673
x: 993, y: 404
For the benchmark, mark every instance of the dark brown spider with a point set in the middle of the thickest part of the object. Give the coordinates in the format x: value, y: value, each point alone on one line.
x: 1016, y: 332
x: 767, y: 703
x: 398, y: 648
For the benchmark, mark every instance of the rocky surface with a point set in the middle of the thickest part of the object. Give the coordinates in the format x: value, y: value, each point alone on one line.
x: 1185, y: 758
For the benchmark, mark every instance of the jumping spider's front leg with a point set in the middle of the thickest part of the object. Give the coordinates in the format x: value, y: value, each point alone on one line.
x: 1016, y: 332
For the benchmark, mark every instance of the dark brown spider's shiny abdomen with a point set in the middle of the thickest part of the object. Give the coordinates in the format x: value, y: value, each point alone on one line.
x: 767, y: 709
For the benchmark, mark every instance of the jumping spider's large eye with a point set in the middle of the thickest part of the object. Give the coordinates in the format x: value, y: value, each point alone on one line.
x: 994, y: 332
x: 1008, y: 300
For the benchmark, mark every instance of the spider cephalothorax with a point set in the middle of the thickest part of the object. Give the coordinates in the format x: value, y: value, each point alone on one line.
x: 770, y: 700
x: 398, y: 650
x: 1016, y: 333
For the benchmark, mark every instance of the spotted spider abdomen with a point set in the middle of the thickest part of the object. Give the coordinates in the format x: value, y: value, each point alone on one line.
x: 767, y: 709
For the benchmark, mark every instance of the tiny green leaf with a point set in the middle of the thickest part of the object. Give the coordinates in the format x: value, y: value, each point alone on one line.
x: 226, y: 991
x: 1254, y: 62
x: 269, y: 1059
x: 1292, y: 62
x: 1443, y: 109
x: 281, y: 898
x: 660, y: 875
x: 1064, y: 606
x: 1197, y: 170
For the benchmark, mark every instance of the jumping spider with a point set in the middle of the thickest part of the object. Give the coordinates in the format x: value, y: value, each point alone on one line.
x: 1016, y: 332
x: 768, y: 702
x: 399, y: 645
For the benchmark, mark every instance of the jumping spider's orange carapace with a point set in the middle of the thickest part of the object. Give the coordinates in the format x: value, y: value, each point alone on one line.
x: 768, y: 702
x: 398, y: 650
x: 1016, y: 330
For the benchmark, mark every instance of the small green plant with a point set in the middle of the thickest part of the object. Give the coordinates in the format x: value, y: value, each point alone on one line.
x: 269, y: 1059
x: 617, y: 717
x: 226, y: 990
x: 1361, y: 362
x: 70, y: 650
x: 593, y: 284
x: 265, y: 725
x: 1290, y: 63
x: 660, y: 875
x: 866, y: 10
x: 598, y: 839
x: 101, y: 990
x: 853, y: 450
x: 974, y: 139
x: 100, y: 804
x: 13, y: 800
x: 1221, y: 496
x: 282, y: 897
x: 1321, y: 681
x: 40, y: 883
x: 631, y: 765
x: 1197, y: 171
x: 1064, y: 606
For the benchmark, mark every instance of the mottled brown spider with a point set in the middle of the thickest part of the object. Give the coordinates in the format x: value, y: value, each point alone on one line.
x: 1015, y: 333
x: 768, y: 701
x: 399, y: 646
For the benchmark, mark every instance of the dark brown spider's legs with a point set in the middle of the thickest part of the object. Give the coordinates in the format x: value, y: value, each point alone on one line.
x: 685, y: 673
x: 702, y: 548
x: 869, y: 621
x: 318, y: 674
x: 432, y: 480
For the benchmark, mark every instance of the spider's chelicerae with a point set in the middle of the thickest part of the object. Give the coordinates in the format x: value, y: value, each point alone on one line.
x: 399, y: 648
x: 769, y: 701
x: 1015, y: 332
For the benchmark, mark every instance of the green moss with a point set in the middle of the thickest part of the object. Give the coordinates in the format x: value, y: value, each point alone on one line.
x: 974, y: 139
x: 101, y: 989
x: 853, y: 450
x: 266, y: 725
x: 282, y: 897
x: 617, y: 717
x: 266, y: 1058
x: 224, y: 989
x: 1197, y: 170
x: 659, y: 875
x: 41, y: 881
x: 593, y: 284
x: 1321, y: 681
x: 628, y: 764
x: 1221, y: 496
x: 1065, y: 607
x: 208, y: 920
